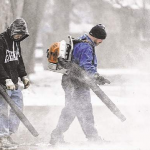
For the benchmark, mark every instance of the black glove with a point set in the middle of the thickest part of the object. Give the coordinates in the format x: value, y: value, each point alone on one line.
x: 100, y: 80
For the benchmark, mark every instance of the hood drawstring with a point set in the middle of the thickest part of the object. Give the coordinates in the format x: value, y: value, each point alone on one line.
x: 14, y: 49
x: 15, y: 52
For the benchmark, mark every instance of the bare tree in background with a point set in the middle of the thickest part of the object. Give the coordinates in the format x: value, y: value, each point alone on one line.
x: 123, y: 23
x: 16, y: 8
x: 32, y: 13
x: 13, y: 8
x: 60, y: 20
x: 5, y: 14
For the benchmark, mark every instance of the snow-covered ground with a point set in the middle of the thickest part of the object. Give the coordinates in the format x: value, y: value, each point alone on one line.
x: 126, y: 85
x: 129, y: 90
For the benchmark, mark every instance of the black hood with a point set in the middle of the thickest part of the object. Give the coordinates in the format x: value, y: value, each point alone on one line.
x: 19, y: 26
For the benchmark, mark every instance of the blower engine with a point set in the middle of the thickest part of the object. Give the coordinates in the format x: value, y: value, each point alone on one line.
x: 59, y: 50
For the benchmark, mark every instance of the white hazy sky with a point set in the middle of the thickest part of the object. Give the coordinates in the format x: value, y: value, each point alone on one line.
x: 139, y: 3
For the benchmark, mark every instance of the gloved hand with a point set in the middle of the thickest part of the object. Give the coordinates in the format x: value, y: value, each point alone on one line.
x: 9, y: 84
x: 100, y: 80
x: 26, y: 82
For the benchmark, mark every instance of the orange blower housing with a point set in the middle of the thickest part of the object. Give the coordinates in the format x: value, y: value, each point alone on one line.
x: 59, y: 50
x: 53, y: 53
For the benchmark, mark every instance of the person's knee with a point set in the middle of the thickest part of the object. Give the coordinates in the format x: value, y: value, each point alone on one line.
x: 17, y: 97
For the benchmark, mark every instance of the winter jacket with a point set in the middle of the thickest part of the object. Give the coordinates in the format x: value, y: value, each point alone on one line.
x: 84, y: 55
x: 11, y: 62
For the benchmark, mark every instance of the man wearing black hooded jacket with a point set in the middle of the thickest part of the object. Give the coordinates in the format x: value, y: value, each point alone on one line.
x: 11, y: 68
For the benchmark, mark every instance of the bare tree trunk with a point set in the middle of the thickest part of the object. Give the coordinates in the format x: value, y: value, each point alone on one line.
x: 16, y: 8
x: 60, y: 25
x: 5, y: 15
x: 32, y: 13
x: 13, y: 8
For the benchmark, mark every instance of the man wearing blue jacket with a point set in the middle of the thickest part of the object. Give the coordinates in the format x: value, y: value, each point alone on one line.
x: 77, y: 94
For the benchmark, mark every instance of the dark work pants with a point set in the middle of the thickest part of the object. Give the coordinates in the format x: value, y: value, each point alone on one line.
x: 77, y: 104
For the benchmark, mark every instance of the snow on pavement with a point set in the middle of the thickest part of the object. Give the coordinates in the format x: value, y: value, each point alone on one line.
x: 129, y: 91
